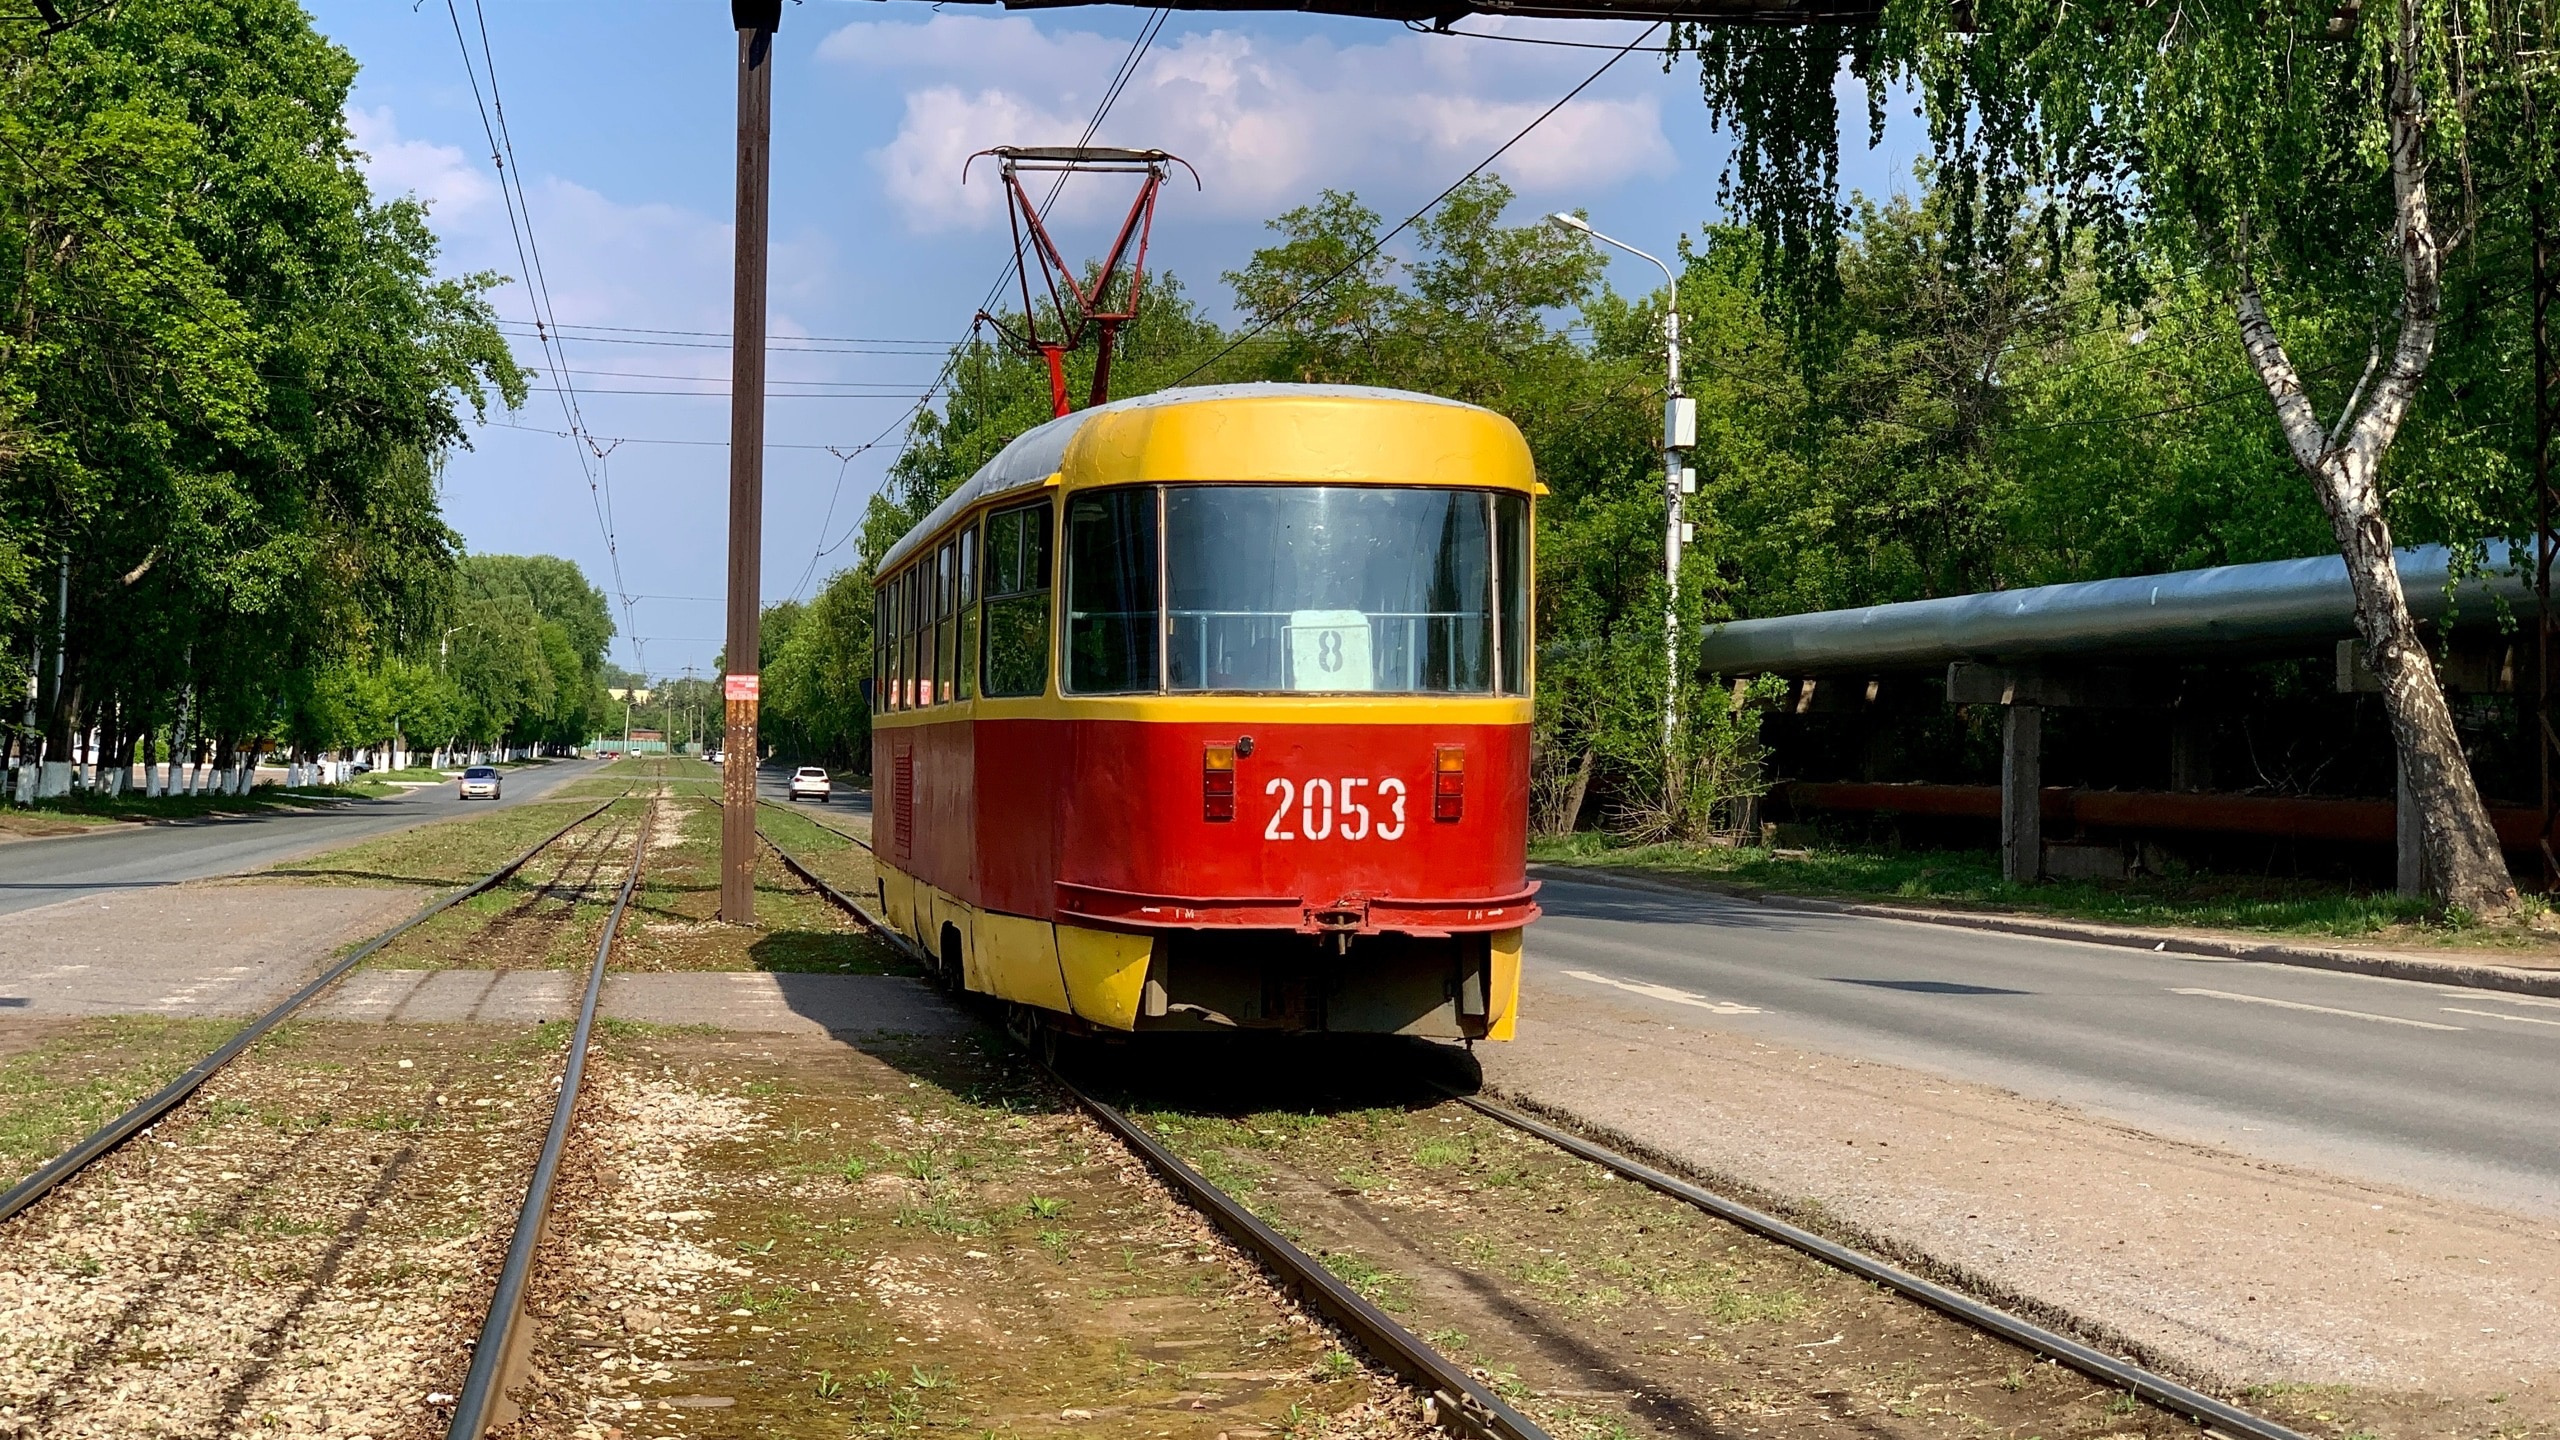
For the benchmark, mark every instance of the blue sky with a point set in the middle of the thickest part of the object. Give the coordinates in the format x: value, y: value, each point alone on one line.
x: 622, y: 117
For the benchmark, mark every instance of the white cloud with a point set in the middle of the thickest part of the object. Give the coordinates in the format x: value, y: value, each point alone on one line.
x: 1267, y: 122
x: 441, y: 175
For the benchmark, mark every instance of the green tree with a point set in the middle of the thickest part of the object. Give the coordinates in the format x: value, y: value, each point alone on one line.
x: 2294, y: 157
x: 227, y: 372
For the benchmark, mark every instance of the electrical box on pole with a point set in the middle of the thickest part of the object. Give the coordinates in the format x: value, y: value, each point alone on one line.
x: 1077, y: 308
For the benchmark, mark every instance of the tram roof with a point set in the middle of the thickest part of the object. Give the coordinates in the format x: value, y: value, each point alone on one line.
x: 1041, y: 451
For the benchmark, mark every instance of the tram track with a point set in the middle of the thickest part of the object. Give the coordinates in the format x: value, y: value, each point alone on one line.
x: 106, y: 1138
x: 1459, y: 1400
x: 189, y: 1300
x: 500, y: 1344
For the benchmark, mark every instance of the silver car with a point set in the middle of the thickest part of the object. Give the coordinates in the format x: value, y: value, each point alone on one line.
x: 480, y: 782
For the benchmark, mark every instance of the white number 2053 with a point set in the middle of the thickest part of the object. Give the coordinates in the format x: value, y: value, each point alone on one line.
x: 1324, y: 808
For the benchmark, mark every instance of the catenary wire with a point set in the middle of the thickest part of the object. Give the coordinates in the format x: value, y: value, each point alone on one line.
x: 1407, y: 222
x: 1120, y: 78
x: 537, y: 283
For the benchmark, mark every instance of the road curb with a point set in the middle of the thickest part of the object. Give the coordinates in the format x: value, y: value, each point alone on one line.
x: 2469, y: 974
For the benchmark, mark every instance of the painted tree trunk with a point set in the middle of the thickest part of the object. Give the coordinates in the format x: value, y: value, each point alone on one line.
x: 2344, y: 463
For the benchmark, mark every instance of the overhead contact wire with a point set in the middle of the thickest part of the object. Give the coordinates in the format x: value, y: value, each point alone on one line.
x: 1119, y: 83
x: 1365, y: 256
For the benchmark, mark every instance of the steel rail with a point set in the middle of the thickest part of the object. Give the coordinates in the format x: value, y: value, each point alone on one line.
x: 506, y: 1304
x: 1356, y: 1314
x: 2097, y: 1364
x: 115, y: 1132
x: 833, y: 895
x: 1461, y: 1402
x: 816, y: 823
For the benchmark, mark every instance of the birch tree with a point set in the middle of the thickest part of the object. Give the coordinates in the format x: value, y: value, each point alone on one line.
x: 2302, y: 156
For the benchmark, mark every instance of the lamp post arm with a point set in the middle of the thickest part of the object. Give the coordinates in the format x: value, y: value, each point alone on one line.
x: 1670, y: 298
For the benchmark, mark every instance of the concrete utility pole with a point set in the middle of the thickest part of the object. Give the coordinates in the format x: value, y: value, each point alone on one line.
x: 1679, y: 435
x: 756, y: 22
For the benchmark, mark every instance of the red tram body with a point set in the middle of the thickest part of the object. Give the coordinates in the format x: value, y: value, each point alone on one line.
x: 1211, y: 710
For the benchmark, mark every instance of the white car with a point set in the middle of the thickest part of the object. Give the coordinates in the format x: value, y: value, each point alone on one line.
x: 480, y: 782
x: 810, y: 783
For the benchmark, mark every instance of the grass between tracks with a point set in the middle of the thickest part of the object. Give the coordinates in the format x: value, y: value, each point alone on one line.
x: 797, y: 930
x: 304, y: 1247
x: 1601, y: 1308
x: 61, y: 1079
x: 1970, y: 880
x: 437, y: 856
x: 794, y: 1238
x: 670, y: 775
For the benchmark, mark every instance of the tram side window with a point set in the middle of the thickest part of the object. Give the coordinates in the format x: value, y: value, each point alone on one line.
x: 965, y: 665
x: 946, y: 621
x: 879, y: 614
x: 889, y: 645
x: 907, y: 640
x: 1111, y: 592
x: 1017, y: 603
x: 919, y: 636
x: 1511, y: 553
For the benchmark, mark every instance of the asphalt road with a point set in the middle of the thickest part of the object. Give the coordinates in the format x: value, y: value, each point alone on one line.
x: 773, y: 782
x: 2432, y: 1086
x: 131, y: 857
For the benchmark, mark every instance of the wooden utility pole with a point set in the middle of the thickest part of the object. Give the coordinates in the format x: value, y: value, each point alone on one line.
x: 756, y: 20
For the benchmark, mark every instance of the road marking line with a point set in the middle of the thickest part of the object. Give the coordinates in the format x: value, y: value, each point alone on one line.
x: 2315, y: 1009
x: 2494, y: 1015
x: 1665, y: 992
x: 2478, y: 998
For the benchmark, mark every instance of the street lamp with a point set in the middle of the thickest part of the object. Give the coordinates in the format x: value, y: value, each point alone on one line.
x: 1679, y: 433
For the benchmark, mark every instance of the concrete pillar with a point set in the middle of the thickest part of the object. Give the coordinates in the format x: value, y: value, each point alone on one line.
x: 2021, y: 793
x: 2409, y: 836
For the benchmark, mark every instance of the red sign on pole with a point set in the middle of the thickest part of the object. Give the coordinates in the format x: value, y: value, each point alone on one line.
x: 741, y: 687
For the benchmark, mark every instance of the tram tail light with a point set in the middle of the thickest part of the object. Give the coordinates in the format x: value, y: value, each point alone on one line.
x: 1448, y: 782
x: 1218, y: 782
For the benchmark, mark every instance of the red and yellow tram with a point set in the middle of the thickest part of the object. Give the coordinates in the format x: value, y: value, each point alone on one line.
x: 1210, y: 709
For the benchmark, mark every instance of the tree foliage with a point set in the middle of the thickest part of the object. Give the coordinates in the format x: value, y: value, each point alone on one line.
x: 228, y: 376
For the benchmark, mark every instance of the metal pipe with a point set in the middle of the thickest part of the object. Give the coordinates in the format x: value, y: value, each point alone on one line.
x: 2266, y: 604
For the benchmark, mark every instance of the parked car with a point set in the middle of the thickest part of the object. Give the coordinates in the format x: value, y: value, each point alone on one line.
x: 480, y: 782
x: 810, y: 782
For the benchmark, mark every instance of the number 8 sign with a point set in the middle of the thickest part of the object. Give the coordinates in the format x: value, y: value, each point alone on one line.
x: 1329, y: 650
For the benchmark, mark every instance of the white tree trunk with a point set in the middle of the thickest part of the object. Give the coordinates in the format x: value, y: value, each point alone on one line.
x: 2344, y: 463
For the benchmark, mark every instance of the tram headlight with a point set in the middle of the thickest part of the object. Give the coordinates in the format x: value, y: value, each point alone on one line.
x: 1448, y: 782
x: 1218, y: 782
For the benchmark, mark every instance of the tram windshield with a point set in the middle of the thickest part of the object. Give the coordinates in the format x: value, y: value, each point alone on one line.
x: 1298, y: 588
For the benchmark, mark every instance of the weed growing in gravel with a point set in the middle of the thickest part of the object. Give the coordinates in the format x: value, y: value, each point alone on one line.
x: 52, y: 1093
x: 1437, y: 1153
x: 1379, y: 1286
